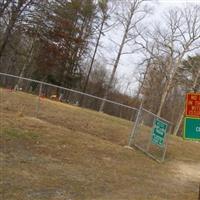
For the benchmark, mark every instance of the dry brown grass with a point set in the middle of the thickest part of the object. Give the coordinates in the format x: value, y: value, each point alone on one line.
x: 73, y: 153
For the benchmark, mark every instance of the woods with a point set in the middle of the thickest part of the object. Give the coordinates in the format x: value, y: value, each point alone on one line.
x: 59, y: 42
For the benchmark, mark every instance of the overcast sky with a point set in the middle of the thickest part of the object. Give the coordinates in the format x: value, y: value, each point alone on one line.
x: 127, y: 69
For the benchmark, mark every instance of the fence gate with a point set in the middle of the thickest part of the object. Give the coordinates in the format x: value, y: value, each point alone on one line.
x: 150, y: 134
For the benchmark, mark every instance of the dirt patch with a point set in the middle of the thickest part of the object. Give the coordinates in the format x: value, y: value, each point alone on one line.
x: 188, y: 171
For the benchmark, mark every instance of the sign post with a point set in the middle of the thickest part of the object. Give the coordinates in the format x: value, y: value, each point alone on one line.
x: 192, y: 117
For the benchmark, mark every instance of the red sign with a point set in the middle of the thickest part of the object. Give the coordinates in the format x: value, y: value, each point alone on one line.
x: 193, y: 105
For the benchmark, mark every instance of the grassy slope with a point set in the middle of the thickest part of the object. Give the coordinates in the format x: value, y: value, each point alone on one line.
x: 74, y: 153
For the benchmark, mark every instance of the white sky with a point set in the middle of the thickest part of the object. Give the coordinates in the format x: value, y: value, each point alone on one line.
x: 127, y: 69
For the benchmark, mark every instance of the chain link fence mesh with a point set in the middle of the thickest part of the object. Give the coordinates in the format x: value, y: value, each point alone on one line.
x: 143, y: 133
x: 14, y: 85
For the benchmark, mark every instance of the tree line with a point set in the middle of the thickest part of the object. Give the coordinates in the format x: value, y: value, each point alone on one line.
x: 58, y: 41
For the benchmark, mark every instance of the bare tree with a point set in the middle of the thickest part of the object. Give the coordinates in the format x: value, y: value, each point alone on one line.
x: 143, y: 77
x: 26, y: 63
x: 133, y: 12
x: 14, y: 10
x: 3, y: 5
x: 103, y: 6
x: 178, y: 37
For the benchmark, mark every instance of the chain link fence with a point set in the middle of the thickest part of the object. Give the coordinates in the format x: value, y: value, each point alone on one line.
x: 41, y: 90
x: 150, y: 134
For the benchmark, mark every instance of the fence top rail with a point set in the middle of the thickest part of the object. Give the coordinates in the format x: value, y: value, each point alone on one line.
x: 70, y: 90
x: 157, y: 116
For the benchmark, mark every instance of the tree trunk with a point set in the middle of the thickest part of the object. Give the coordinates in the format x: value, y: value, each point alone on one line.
x: 6, y: 38
x: 144, y: 78
x: 26, y: 64
x: 116, y: 62
x: 108, y: 88
x: 168, y: 86
x: 163, y: 98
x: 92, y: 61
x: 93, y: 57
x: 14, y: 15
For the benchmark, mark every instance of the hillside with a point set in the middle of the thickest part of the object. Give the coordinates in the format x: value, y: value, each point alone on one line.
x: 70, y: 153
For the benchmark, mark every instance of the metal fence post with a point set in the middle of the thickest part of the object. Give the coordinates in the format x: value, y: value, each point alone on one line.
x: 38, y: 101
x: 135, y: 126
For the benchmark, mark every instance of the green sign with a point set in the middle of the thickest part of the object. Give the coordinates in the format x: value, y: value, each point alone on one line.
x: 192, y: 128
x: 159, y: 132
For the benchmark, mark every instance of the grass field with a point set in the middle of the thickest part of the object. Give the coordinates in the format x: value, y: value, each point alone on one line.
x: 69, y: 153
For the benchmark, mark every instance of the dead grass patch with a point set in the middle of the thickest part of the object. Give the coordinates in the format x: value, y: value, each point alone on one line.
x: 78, y: 154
